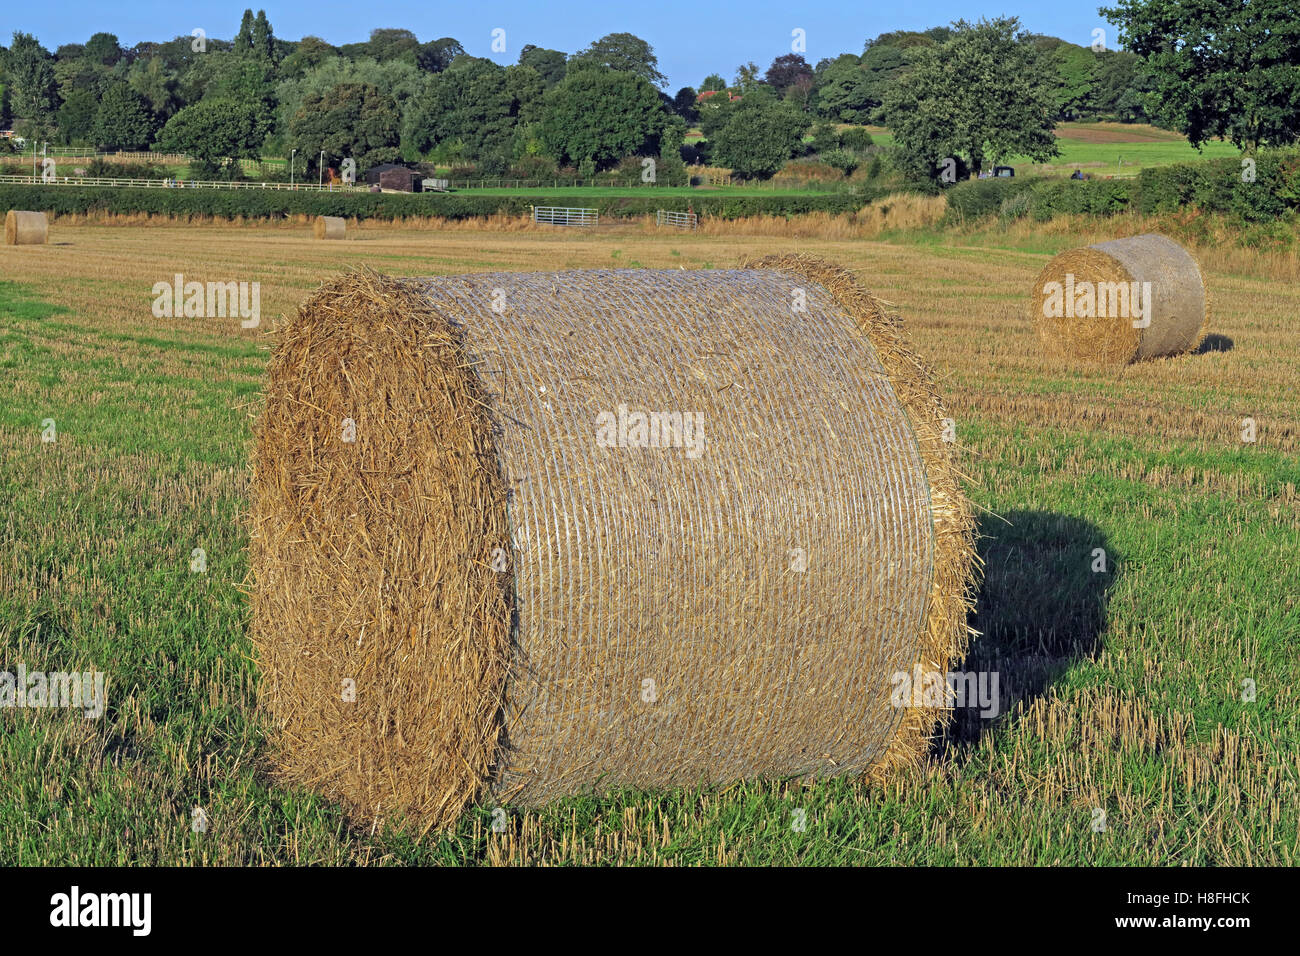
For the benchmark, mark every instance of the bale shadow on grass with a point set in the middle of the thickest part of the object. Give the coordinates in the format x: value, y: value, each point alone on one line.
x: 1214, y: 343
x: 1041, y: 608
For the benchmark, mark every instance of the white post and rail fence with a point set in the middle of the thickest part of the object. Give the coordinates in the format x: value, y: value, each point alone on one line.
x: 178, y: 183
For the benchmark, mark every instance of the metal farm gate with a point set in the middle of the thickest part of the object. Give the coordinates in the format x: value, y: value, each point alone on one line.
x: 680, y: 220
x: 566, y: 215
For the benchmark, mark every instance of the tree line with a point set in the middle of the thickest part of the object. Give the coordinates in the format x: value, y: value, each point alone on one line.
x: 978, y: 92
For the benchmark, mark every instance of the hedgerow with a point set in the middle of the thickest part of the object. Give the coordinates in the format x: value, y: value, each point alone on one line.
x: 187, y: 203
x: 1263, y: 190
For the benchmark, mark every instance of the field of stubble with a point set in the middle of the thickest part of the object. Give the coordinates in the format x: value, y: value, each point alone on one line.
x: 1127, y: 735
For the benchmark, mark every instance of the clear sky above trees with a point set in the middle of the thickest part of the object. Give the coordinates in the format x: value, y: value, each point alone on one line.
x: 692, y: 39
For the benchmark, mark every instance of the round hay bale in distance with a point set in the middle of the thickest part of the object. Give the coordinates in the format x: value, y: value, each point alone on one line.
x: 532, y: 535
x: 1121, y: 301
x: 24, y: 228
x: 330, y: 227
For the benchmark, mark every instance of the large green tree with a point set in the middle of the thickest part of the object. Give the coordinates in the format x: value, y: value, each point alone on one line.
x: 549, y: 64
x: 759, y: 137
x: 157, y: 84
x: 310, y: 53
x: 214, y: 130
x: 623, y: 53
x: 76, y: 118
x: 246, y: 78
x: 787, y: 70
x: 393, y: 44
x: 436, y: 55
x: 527, y: 91
x: 80, y: 74
x: 31, y: 86
x: 398, y: 78
x: 884, y: 63
x: 599, y: 116
x: 748, y: 78
x: 124, y: 120
x: 474, y: 109
x: 984, y: 94
x: 713, y: 111
x: 263, y: 37
x: 352, y: 120
x: 1121, y: 88
x: 179, y: 56
x: 684, y: 104
x: 1226, y: 68
x: 844, y: 90
x: 244, y: 38
x: 1073, y: 74
x: 103, y: 49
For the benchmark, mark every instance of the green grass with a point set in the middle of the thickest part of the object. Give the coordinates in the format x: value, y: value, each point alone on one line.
x: 1080, y: 150
x: 17, y: 303
x: 643, y: 192
x: 1123, y: 159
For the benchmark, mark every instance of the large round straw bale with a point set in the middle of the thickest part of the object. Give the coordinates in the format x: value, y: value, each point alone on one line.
x: 26, y: 228
x: 329, y: 227
x: 475, y: 574
x: 1121, y: 301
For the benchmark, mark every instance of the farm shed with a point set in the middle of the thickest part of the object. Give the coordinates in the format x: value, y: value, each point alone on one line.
x: 395, y: 176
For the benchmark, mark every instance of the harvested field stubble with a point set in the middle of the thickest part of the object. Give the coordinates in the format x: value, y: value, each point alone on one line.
x: 1126, y: 694
x: 534, y: 598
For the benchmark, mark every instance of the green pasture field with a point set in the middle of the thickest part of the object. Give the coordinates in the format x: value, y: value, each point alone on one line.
x: 644, y: 192
x: 1108, y: 149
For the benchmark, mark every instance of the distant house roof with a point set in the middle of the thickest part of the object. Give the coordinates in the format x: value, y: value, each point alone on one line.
x: 731, y: 97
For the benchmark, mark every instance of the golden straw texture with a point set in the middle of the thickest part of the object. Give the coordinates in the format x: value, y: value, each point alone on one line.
x: 26, y: 228
x: 1086, y: 301
x: 535, y: 598
x: 329, y: 227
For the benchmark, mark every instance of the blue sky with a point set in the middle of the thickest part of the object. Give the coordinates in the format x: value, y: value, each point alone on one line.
x: 691, y: 39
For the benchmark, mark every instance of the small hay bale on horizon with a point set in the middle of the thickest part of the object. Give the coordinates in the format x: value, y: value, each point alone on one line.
x: 330, y: 227
x: 23, y: 228
x: 1122, y: 301
x: 521, y: 536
